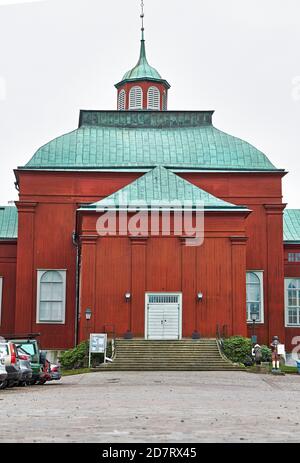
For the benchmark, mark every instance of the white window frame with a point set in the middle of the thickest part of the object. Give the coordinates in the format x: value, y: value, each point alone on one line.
x: 152, y: 98
x: 40, y: 274
x: 260, y: 275
x: 133, y: 99
x: 287, y: 282
x: 1, y: 294
x: 294, y: 257
x: 122, y: 97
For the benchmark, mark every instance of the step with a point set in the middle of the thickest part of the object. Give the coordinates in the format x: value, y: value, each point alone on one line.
x: 170, y: 355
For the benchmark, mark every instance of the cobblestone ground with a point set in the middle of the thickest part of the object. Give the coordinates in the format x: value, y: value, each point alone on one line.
x: 154, y: 407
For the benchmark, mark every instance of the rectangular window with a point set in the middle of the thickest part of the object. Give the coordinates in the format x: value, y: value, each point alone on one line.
x: 1, y: 290
x: 294, y: 257
x: 255, y: 296
x: 51, y: 296
x: 292, y: 302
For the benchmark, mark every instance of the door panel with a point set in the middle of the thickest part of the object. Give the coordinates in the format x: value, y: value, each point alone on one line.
x: 163, y: 317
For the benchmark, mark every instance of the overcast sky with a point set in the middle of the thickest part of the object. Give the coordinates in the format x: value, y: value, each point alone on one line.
x: 238, y: 57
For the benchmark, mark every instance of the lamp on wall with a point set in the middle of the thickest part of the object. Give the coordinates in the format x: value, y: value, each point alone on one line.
x: 127, y: 296
x: 199, y: 296
x: 88, y: 314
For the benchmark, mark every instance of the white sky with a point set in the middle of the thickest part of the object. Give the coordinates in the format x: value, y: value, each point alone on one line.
x: 239, y: 57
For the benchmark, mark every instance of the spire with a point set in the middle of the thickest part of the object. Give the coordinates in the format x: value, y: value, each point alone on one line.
x: 142, y: 18
x: 143, y: 57
x: 142, y: 87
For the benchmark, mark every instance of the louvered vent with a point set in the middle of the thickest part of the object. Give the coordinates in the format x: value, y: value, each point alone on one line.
x: 154, y: 98
x: 136, y: 98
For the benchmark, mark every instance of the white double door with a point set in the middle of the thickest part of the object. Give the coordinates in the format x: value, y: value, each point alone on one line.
x: 163, y: 316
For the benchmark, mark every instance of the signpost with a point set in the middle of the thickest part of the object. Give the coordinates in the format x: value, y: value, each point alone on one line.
x: 98, y: 345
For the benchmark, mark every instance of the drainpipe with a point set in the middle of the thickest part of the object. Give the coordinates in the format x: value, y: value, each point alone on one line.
x: 77, y: 290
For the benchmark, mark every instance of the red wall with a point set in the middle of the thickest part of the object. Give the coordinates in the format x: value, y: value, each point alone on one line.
x: 145, y: 85
x: 8, y: 253
x: 47, y: 220
x: 112, y: 266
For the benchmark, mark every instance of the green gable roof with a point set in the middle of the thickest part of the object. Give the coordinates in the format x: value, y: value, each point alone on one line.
x: 142, y: 140
x: 164, y: 189
x: 291, y: 226
x: 8, y: 222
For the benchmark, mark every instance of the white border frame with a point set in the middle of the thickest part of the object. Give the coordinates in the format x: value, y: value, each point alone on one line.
x: 287, y: 281
x: 260, y: 275
x: 123, y: 91
x: 159, y: 98
x: 1, y: 298
x: 40, y: 273
x: 152, y: 293
x: 135, y: 108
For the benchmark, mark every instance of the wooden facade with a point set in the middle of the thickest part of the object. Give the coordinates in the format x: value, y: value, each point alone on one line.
x: 111, y: 266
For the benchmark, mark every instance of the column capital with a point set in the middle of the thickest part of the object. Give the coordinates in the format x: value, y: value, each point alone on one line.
x: 88, y: 239
x: 274, y: 209
x: 26, y: 206
x: 241, y: 240
x: 138, y: 240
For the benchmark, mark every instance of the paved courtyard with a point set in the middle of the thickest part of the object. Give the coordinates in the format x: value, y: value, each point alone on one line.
x: 154, y: 407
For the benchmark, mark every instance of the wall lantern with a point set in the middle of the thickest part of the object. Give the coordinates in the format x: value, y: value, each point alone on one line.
x: 88, y: 314
x: 200, y: 297
x: 127, y: 296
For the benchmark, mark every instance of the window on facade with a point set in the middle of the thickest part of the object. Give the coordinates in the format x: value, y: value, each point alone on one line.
x: 136, y: 98
x: 165, y: 101
x: 154, y: 98
x: 254, y: 284
x: 292, y: 298
x: 1, y: 289
x: 294, y: 257
x: 51, y: 296
x: 122, y: 101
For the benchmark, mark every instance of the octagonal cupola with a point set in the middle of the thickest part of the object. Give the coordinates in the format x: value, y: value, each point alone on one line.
x: 142, y: 88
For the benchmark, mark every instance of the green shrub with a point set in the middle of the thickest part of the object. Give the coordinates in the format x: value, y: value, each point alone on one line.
x: 78, y: 357
x: 266, y: 354
x: 238, y: 349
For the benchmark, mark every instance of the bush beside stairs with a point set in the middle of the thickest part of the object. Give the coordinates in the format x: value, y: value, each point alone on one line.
x: 184, y: 355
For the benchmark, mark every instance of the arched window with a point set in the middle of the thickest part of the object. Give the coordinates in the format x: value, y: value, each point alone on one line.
x: 122, y: 101
x: 136, y: 98
x: 254, y: 284
x: 51, y: 296
x: 165, y: 101
x: 153, y: 99
x: 293, y: 302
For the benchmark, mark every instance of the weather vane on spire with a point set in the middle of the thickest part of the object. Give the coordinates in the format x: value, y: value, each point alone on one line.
x: 142, y: 18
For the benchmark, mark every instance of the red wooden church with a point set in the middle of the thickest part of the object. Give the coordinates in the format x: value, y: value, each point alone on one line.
x: 61, y: 276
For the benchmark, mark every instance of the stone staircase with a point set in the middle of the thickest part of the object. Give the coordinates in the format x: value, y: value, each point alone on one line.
x: 184, y: 355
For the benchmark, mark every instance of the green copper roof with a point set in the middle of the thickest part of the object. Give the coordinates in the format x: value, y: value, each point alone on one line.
x: 142, y: 71
x: 291, y: 226
x: 142, y: 139
x: 162, y: 188
x: 8, y: 222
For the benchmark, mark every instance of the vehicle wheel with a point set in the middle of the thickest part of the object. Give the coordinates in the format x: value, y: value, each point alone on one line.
x: 3, y: 385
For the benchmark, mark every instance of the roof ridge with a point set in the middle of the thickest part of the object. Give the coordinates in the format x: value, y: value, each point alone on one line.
x: 165, y: 190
